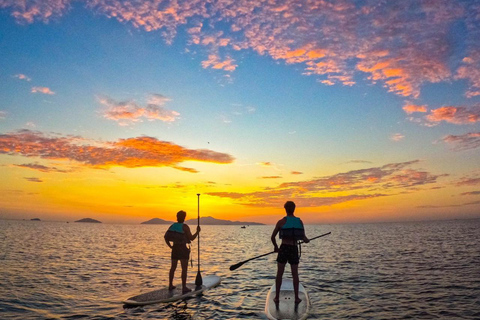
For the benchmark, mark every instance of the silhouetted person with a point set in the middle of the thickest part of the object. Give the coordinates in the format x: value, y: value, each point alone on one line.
x: 291, y: 230
x: 179, y: 234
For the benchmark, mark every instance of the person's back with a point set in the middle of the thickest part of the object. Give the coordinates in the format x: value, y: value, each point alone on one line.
x: 291, y: 230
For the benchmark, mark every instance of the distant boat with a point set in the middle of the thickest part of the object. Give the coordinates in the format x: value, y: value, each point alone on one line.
x: 243, y: 227
x: 35, y: 219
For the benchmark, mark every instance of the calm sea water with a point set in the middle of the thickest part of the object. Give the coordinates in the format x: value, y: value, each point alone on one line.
x: 423, y: 270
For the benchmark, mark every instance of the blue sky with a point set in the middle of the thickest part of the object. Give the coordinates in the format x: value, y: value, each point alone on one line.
x: 248, y: 104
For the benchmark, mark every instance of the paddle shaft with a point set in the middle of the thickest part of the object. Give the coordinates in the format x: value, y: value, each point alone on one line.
x: 198, y: 279
x: 238, y: 265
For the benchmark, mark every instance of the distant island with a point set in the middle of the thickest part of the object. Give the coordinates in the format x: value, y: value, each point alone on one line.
x: 157, y: 221
x: 88, y: 220
x: 203, y: 221
x: 35, y: 219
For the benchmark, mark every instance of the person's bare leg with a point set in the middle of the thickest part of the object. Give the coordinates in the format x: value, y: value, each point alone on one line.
x: 296, y: 282
x: 278, y: 280
x: 173, y: 267
x: 184, y: 263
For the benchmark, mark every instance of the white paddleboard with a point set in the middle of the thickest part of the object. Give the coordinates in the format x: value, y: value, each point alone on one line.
x: 286, y: 307
x: 165, y: 295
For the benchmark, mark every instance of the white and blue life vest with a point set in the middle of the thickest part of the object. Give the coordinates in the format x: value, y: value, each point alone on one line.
x: 292, y: 229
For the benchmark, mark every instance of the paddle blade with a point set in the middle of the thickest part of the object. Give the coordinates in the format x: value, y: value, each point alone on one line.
x: 236, y: 266
x: 198, y: 279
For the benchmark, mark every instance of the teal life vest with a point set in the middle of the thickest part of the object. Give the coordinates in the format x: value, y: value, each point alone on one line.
x: 176, y: 234
x: 292, y: 229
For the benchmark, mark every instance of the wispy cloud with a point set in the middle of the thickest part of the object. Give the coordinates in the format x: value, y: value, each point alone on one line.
x: 456, y: 115
x: 353, y: 185
x: 399, y: 44
x: 22, y: 77
x: 296, y: 172
x: 411, y: 108
x: 463, y: 142
x: 43, y: 90
x: 42, y: 168
x: 471, y: 193
x: 468, y: 181
x: 129, y: 112
x: 271, y: 177
x: 3, y: 115
x: 397, y: 137
x: 33, y: 179
x: 130, y: 153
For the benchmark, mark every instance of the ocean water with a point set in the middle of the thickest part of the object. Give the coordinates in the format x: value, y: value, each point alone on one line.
x: 415, y: 270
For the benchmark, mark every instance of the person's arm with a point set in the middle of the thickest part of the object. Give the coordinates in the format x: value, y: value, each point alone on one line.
x: 274, y: 235
x: 189, y: 234
x: 305, y: 239
x: 166, y: 241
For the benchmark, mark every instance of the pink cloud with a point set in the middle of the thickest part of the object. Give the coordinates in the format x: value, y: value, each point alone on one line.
x: 456, y: 115
x: 33, y: 179
x: 399, y: 44
x: 43, y: 90
x: 397, y: 137
x: 39, y: 167
x: 128, y: 112
x: 463, y: 142
x: 3, y: 115
x: 271, y: 177
x: 411, y: 108
x: 296, y: 172
x: 130, y: 153
x: 22, y: 77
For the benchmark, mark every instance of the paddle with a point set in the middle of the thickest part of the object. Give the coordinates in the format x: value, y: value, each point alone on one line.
x: 198, y: 279
x: 238, y: 265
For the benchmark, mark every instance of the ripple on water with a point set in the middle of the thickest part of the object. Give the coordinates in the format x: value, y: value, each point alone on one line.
x: 375, y: 271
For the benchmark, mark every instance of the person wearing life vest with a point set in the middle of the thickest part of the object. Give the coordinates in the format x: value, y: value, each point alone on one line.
x: 290, y: 230
x: 177, y: 237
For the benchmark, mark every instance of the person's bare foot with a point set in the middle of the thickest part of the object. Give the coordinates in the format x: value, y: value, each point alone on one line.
x: 186, y: 290
x: 171, y: 287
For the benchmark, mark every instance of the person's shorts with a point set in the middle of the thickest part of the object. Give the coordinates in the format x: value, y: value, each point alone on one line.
x: 180, y: 252
x: 288, y: 253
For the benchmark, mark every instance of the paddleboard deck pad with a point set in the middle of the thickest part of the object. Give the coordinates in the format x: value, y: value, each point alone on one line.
x: 286, y: 307
x: 165, y: 295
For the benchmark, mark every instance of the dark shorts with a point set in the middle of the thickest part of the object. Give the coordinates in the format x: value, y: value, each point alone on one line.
x: 180, y: 252
x: 288, y: 253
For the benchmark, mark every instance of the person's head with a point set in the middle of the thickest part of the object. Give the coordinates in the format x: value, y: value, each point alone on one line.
x: 181, y: 216
x: 289, y: 207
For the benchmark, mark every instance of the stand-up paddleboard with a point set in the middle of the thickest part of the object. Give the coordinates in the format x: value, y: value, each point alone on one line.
x: 286, y: 307
x: 165, y: 295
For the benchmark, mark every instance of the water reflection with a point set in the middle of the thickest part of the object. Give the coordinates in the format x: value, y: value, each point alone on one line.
x: 417, y: 270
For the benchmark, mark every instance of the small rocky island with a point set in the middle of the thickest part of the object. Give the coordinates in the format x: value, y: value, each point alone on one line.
x: 88, y: 220
x: 157, y: 221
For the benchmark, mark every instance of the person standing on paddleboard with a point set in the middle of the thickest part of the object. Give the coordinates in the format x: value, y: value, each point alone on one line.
x: 291, y: 230
x: 180, y: 235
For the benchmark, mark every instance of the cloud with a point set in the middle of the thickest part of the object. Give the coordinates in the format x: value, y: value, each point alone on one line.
x: 352, y: 185
x: 455, y: 115
x: 33, y: 179
x: 296, y: 172
x: 468, y: 181
x: 3, y: 115
x: 215, y: 62
x: 463, y: 142
x: 271, y: 177
x: 129, y: 112
x: 22, y: 77
x: 411, y: 108
x: 399, y: 44
x: 397, y: 137
x: 471, y: 193
x: 43, y: 90
x: 130, y: 153
x: 39, y: 167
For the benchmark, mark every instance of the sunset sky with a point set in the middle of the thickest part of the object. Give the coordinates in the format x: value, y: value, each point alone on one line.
x: 123, y: 111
